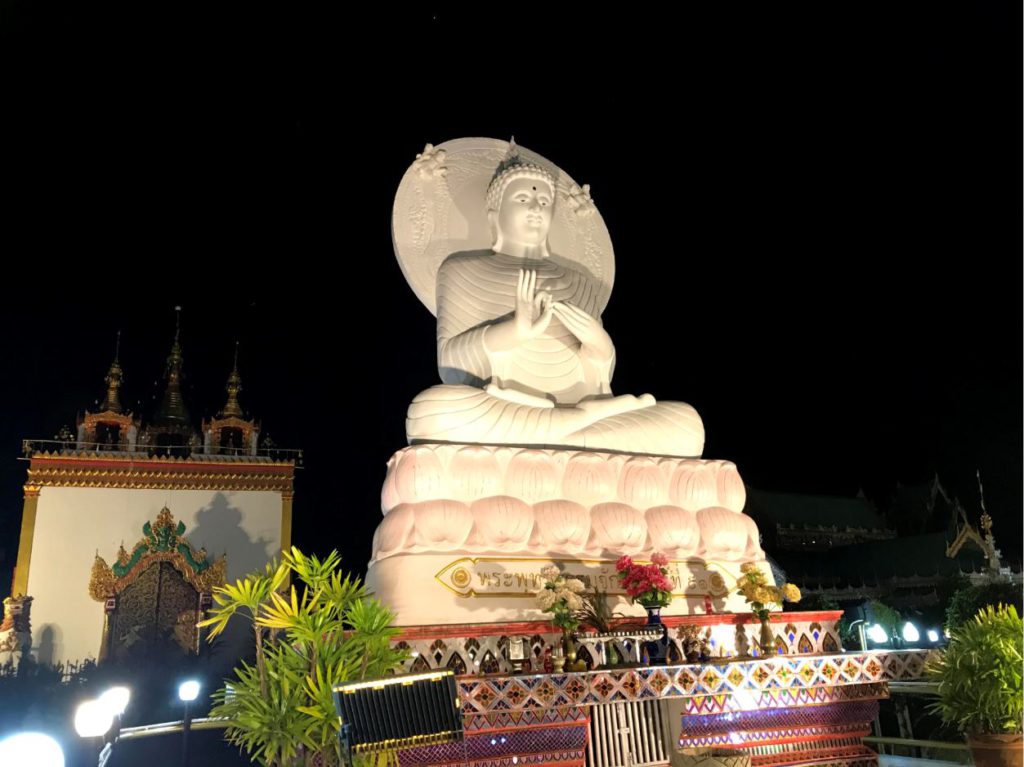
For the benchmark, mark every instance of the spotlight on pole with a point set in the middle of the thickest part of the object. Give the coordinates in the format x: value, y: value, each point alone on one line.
x: 33, y: 748
x: 910, y: 632
x: 93, y: 719
x: 860, y: 624
x: 116, y: 699
x: 877, y: 634
x: 187, y: 692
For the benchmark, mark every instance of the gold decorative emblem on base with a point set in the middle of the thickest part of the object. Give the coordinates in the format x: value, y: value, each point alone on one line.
x: 514, y: 577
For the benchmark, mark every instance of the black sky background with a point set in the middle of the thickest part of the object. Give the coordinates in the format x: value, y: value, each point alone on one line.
x: 816, y: 213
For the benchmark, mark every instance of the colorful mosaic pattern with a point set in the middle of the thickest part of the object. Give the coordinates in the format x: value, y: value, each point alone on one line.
x: 782, y: 710
x: 807, y: 724
x: 744, y: 740
x: 545, y: 745
x: 814, y: 696
x: 810, y: 716
x: 543, y: 717
x: 475, y: 653
x: 739, y: 686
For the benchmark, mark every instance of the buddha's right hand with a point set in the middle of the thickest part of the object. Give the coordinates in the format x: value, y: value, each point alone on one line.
x: 509, y: 333
x: 533, y: 310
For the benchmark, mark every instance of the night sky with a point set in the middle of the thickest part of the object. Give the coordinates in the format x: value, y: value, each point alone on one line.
x: 816, y: 220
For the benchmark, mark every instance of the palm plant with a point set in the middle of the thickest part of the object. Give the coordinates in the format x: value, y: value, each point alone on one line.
x: 307, y: 640
x: 979, y: 674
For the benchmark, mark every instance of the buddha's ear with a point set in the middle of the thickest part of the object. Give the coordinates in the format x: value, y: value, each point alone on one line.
x: 492, y: 222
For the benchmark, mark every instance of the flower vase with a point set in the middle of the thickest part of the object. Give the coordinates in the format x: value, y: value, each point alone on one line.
x: 767, y: 638
x: 996, y: 750
x: 656, y: 650
x: 611, y: 654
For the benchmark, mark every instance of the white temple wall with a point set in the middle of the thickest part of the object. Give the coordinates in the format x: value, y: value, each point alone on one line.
x: 73, y: 524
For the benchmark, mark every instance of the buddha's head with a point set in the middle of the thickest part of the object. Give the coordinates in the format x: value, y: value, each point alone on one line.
x: 520, y: 202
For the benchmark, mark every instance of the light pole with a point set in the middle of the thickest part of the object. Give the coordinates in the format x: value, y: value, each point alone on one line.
x: 96, y: 718
x: 860, y: 633
x: 878, y: 634
x: 93, y: 719
x: 187, y: 692
x: 116, y: 700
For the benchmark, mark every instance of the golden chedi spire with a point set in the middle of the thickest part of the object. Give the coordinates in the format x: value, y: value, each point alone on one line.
x: 114, y: 379
x: 234, y: 387
x: 172, y: 410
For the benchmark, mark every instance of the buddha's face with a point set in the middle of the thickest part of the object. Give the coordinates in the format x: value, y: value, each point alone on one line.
x: 525, y: 212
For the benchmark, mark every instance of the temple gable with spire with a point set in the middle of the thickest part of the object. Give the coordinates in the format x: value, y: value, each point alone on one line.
x: 89, y: 494
x: 230, y: 432
x: 111, y: 428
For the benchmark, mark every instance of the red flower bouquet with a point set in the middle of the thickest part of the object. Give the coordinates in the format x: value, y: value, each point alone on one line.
x: 647, y: 585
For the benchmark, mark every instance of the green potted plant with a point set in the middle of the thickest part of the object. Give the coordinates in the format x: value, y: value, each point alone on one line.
x: 979, y: 681
x: 965, y: 602
x: 321, y: 629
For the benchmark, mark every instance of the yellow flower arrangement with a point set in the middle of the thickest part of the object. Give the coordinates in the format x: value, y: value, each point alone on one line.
x: 760, y: 595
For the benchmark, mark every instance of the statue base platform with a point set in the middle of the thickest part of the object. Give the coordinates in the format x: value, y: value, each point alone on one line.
x: 467, y: 529
x: 459, y: 588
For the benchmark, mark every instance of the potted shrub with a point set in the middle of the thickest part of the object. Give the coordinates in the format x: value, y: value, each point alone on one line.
x: 980, y: 691
x: 321, y: 629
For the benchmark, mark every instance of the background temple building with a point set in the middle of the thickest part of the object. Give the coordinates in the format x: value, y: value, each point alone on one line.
x: 846, y: 550
x: 130, y: 523
x: 792, y: 523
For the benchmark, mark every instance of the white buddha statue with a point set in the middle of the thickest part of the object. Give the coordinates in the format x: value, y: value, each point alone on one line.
x: 523, y: 455
x: 521, y: 349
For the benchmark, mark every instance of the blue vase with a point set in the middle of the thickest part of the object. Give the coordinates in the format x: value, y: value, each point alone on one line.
x: 656, y: 650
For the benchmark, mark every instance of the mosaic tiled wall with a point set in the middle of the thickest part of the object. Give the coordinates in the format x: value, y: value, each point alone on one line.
x: 748, y: 729
x: 738, y: 686
x: 486, y: 650
x: 517, y: 746
x: 782, y: 710
x: 538, y: 717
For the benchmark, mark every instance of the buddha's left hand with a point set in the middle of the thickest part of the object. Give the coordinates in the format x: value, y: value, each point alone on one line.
x: 587, y: 329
